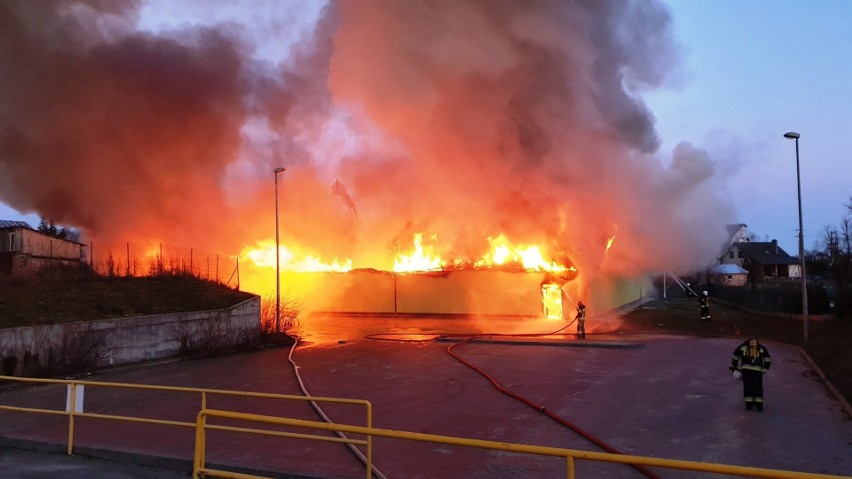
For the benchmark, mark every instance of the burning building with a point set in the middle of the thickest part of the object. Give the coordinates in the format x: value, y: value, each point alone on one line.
x: 456, y: 137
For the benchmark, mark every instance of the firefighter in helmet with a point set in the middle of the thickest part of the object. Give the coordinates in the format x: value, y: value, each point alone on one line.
x: 750, y: 362
x: 581, y: 320
x: 704, y: 306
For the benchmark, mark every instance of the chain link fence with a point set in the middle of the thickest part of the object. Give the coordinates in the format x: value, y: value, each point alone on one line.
x: 151, y: 259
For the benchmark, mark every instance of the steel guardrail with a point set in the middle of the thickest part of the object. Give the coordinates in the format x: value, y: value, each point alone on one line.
x: 200, y: 424
x: 570, y: 455
x: 71, y: 409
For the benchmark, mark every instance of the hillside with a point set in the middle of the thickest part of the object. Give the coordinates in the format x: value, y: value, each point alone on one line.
x: 50, y: 299
x: 829, y: 342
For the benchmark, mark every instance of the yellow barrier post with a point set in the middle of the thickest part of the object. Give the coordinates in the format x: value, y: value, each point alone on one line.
x: 72, y: 398
x: 198, y: 459
x: 570, y: 470
x: 369, y: 441
x: 203, y: 407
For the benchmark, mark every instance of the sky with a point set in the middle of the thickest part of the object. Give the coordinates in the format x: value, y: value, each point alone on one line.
x: 753, y: 71
x: 656, y: 123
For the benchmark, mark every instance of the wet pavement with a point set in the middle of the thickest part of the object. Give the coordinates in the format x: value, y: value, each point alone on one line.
x: 661, y: 396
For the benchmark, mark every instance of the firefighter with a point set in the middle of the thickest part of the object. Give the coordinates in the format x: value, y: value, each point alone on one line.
x: 750, y: 362
x: 704, y: 305
x: 581, y: 320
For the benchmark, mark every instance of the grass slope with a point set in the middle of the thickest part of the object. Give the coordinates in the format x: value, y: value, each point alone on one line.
x: 51, y: 300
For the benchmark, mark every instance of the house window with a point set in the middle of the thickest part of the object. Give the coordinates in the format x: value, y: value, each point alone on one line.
x: 11, y: 241
x: 731, y: 254
x: 730, y: 277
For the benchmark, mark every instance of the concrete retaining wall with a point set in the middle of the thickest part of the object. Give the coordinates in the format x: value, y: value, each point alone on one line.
x: 126, y: 340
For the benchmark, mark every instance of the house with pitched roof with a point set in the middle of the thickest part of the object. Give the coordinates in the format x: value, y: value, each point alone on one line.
x: 24, y: 249
x: 763, y: 261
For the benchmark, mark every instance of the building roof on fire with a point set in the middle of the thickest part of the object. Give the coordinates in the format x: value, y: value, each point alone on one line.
x: 7, y: 224
x: 765, y: 253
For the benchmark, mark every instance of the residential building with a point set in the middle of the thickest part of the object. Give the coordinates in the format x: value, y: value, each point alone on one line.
x: 763, y: 261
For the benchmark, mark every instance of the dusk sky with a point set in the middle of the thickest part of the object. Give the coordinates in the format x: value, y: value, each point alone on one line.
x: 743, y: 74
x: 753, y: 71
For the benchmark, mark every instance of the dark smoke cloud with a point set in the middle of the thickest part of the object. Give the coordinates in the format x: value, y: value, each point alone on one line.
x: 459, y: 119
x: 525, y: 118
x: 115, y: 131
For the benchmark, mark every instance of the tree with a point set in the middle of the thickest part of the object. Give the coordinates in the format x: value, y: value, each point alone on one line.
x: 836, y: 256
x: 49, y: 228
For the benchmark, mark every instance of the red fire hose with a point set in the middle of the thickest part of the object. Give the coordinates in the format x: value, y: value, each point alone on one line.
x: 642, y: 469
x: 538, y: 407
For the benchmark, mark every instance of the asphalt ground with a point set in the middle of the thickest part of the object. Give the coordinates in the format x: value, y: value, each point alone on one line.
x: 662, y: 396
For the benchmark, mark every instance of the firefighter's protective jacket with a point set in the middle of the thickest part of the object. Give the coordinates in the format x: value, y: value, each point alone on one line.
x: 751, y: 357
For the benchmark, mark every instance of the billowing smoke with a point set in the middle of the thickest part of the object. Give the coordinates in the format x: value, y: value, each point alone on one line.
x: 461, y: 120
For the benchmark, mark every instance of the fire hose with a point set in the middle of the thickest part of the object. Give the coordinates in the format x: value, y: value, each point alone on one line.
x: 538, y: 407
x: 322, y: 414
x: 541, y: 408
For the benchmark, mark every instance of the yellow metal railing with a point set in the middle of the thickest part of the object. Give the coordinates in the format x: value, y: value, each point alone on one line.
x: 570, y: 455
x: 73, y: 388
x: 201, y: 426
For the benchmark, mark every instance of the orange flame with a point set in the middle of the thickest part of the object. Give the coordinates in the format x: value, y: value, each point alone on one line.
x: 529, y: 257
x: 502, y: 254
x: 420, y: 260
x: 263, y: 255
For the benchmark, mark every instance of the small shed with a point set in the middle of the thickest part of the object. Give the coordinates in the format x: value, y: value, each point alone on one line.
x: 729, y: 275
x: 24, y: 250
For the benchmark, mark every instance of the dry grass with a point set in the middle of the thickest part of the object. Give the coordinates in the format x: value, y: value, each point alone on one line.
x: 70, y: 296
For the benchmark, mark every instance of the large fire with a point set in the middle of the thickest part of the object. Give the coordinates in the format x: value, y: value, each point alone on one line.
x: 421, y: 258
x: 475, y: 120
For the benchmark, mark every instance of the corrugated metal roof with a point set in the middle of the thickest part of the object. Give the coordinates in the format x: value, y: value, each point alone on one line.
x: 14, y: 224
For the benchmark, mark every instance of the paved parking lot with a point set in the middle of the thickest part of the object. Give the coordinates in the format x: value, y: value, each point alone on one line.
x: 661, y: 396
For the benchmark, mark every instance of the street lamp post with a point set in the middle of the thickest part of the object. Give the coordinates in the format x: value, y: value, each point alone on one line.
x: 792, y: 135
x: 277, y: 260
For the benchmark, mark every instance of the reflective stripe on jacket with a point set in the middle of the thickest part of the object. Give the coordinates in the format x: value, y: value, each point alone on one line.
x: 745, y: 362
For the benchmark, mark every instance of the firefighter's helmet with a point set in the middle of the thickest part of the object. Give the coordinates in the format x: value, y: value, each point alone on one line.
x: 704, y: 293
x: 581, y: 305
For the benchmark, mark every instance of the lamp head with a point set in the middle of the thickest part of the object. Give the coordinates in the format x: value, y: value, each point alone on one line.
x: 278, y: 170
x: 791, y: 135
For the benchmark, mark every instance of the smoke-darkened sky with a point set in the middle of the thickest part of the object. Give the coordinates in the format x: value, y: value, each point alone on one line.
x: 460, y: 120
